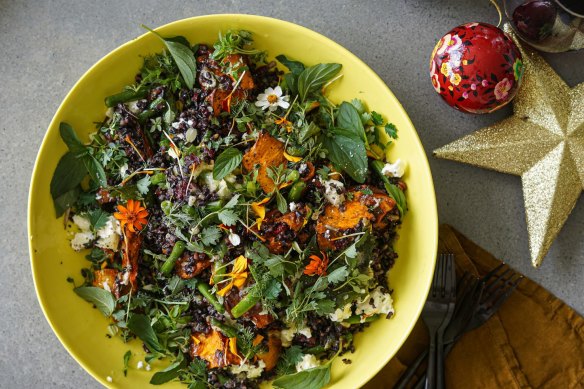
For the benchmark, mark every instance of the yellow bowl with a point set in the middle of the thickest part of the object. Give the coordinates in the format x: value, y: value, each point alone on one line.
x: 82, y: 329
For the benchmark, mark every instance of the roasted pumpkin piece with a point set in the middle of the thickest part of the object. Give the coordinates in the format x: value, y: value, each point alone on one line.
x: 105, y: 279
x: 379, y: 204
x: 213, y: 348
x: 272, y: 354
x: 268, y: 152
x: 190, y: 265
x: 130, y: 257
x: 218, y: 100
x: 337, y: 222
x: 237, y: 66
x: 279, y: 231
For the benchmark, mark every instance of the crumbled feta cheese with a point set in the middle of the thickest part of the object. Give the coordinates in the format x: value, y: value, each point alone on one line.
x: 82, y: 222
x: 139, y: 365
x: 148, y: 367
x: 81, y: 240
x: 292, y: 206
x: 251, y: 371
x: 333, y: 192
x: 191, y: 135
x: 109, y: 379
x: 124, y: 170
x: 287, y: 334
x: 396, y: 169
x: 376, y: 302
x: 109, y: 235
x: 192, y: 201
x: 341, y: 313
x: 133, y: 106
x: 234, y: 239
x: 217, y: 186
x: 308, y: 361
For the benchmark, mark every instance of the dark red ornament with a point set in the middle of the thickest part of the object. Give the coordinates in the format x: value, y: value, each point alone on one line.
x: 476, y: 68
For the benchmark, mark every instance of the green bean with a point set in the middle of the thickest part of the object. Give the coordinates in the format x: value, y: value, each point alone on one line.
x: 155, y: 103
x: 356, y: 319
x: 296, y: 191
x: 158, y: 178
x: 227, y: 330
x: 245, y: 305
x: 293, y: 176
x: 315, y: 350
x: 204, y: 289
x: 127, y: 95
x: 378, y: 167
x: 177, y: 250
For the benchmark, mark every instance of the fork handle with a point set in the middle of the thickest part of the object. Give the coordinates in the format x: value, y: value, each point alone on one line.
x: 431, y: 372
x: 440, y: 362
x: 409, y: 373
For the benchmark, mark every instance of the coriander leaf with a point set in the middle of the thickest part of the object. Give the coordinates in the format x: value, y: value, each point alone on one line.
x: 351, y: 251
x: 348, y: 118
x: 101, y: 298
x: 391, y: 130
x: 348, y: 152
x: 315, y: 378
x: 127, y: 357
x: 272, y: 289
x: 183, y: 57
x: 142, y: 184
x: 313, y: 78
x: 338, y: 275
x: 376, y: 118
x: 228, y: 217
x: 140, y: 325
x: 170, y: 373
x: 325, y: 306
x: 295, y: 67
x: 71, y: 140
x: 226, y: 162
x: 210, y: 235
x: 98, y: 218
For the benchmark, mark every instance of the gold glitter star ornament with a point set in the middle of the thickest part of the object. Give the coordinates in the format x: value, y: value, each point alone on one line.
x: 543, y: 142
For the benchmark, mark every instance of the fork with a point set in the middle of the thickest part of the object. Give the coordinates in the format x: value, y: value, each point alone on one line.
x: 450, y: 293
x: 494, y: 289
x: 436, y: 310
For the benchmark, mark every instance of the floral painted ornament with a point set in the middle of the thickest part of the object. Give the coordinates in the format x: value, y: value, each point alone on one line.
x: 476, y: 68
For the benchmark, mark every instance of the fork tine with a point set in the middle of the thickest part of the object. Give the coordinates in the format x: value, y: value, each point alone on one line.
x: 494, y: 271
x: 452, y: 277
x: 503, y: 294
x: 492, y: 286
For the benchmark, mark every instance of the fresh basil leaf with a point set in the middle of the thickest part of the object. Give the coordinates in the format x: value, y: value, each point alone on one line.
x: 101, y: 298
x: 140, y: 325
x: 281, y: 202
x: 348, y: 152
x: 198, y: 385
x: 170, y: 373
x: 183, y: 57
x: 313, y: 78
x: 291, y: 82
x: 98, y: 218
x: 295, y: 67
x: 226, y: 162
x: 315, y: 378
x: 399, y: 196
x: 71, y: 140
x: 65, y: 201
x: 95, y: 170
x: 348, y: 118
x: 179, y: 39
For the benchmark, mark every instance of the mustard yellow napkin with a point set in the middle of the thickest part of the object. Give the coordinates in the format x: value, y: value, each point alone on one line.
x: 534, y: 341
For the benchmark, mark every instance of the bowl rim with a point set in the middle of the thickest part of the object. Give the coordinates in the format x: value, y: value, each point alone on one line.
x: 433, y: 242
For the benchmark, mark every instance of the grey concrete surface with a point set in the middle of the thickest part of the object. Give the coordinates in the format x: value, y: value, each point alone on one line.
x: 45, y: 46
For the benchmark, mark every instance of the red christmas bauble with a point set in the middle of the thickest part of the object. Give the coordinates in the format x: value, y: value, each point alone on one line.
x: 476, y: 68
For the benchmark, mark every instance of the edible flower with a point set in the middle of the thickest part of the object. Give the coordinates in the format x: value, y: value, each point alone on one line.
x: 284, y: 123
x: 132, y: 216
x: 317, y: 265
x: 292, y: 158
x: 237, y: 277
x: 272, y: 99
x: 259, y: 208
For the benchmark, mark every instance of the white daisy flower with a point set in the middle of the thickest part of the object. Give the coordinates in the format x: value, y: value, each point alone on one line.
x: 272, y: 99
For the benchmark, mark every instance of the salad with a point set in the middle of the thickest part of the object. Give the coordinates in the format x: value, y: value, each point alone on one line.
x: 234, y: 219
